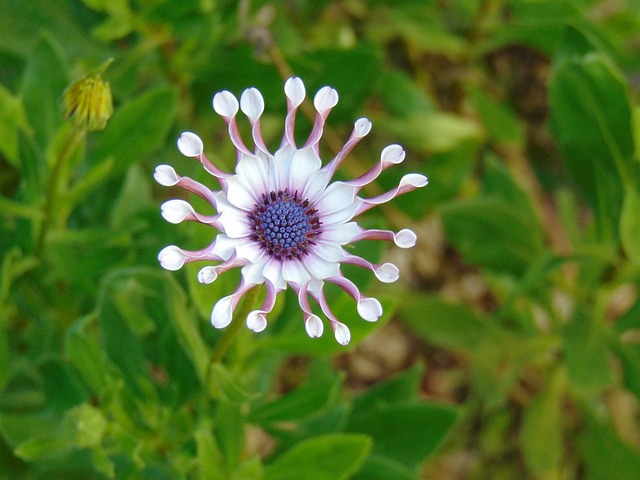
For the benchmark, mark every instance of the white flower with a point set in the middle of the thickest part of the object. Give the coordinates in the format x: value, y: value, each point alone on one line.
x: 279, y: 216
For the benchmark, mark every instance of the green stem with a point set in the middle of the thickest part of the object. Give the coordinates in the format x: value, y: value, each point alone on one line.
x: 230, y: 333
x: 70, y: 144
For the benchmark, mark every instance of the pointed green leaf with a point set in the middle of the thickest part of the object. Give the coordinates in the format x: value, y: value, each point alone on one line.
x: 587, y: 354
x: 138, y: 128
x: 408, y: 432
x: 604, y: 454
x: 41, y: 446
x: 591, y: 121
x: 45, y: 78
x: 630, y: 225
x: 327, y: 457
x: 541, y: 432
x: 301, y: 402
x: 492, y: 233
x: 210, y: 461
x: 12, y: 119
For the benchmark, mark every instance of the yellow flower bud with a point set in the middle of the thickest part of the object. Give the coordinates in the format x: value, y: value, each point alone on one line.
x: 87, y: 102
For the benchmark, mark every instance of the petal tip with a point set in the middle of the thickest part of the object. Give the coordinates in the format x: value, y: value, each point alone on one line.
x: 171, y: 258
x: 314, y: 326
x: 190, y: 144
x: 225, y: 104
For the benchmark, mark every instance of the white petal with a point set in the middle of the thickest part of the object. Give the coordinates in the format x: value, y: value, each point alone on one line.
x: 405, y: 238
x: 171, y: 258
x: 336, y: 197
x: 225, y: 104
x: 252, y: 103
x: 222, y: 312
x: 235, y: 226
x: 255, y: 173
x: 294, y: 90
x: 414, y: 179
x: 341, y: 216
x: 328, y: 251
x: 316, y: 184
x: 318, y: 268
x: 190, y: 144
x: 240, y: 194
x: 256, y: 321
x: 272, y: 271
x: 393, y: 154
x: 314, y: 327
x: 249, y: 251
x: 207, y: 275
x: 370, y: 309
x: 165, y: 175
x: 294, y: 272
x: 253, y: 272
x: 325, y: 99
x: 342, y: 333
x: 282, y: 165
x: 362, y: 127
x: 387, y: 273
x: 341, y: 234
x: 225, y: 246
x: 304, y: 163
x: 175, y: 211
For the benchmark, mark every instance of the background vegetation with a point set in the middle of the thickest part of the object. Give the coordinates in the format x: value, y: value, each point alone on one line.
x: 509, y: 349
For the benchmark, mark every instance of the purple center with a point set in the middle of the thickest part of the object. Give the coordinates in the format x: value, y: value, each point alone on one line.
x: 284, y: 225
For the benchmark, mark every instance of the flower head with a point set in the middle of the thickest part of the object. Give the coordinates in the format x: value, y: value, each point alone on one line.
x: 87, y: 102
x: 280, y: 217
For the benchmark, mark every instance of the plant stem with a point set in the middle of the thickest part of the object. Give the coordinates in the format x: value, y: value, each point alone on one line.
x: 230, y: 333
x: 53, y: 187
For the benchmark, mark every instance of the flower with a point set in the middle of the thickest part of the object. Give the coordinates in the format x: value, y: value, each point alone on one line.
x: 87, y: 102
x: 279, y: 216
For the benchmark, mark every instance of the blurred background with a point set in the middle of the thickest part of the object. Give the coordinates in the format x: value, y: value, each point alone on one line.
x: 510, y: 346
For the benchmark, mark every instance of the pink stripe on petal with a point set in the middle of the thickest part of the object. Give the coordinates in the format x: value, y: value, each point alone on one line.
x: 361, y: 128
x: 407, y: 184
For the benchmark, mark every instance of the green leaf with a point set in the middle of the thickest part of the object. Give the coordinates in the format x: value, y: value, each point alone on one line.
x: 500, y: 121
x: 327, y: 457
x: 41, y: 446
x: 630, y: 225
x: 591, y: 121
x: 22, y: 24
x: 12, y: 119
x: 227, y: 386
x: 85, y: 425
x: 542, y: 426
x: 188, y: 333
x: 134, y: 197
x: 137, y: 129
x: 587, y: 354
x: 402, y: 387
x: 434, y: 131
x: 604, y: 454
x: 85, y: 354
x: 382, y: 468
x: 492, y: 233
x: 210, y: 461
x: 630, y: 357
x: 229, y: 426
x: 101, y: 461
x: 62, y: 387
x: 301, y: 402
x: 405, y: 432
x: 45, y: 78
x: 123, y: 347
x: 449, y: 325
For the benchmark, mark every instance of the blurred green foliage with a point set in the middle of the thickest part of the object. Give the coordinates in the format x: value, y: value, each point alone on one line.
x: 518, y: 310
